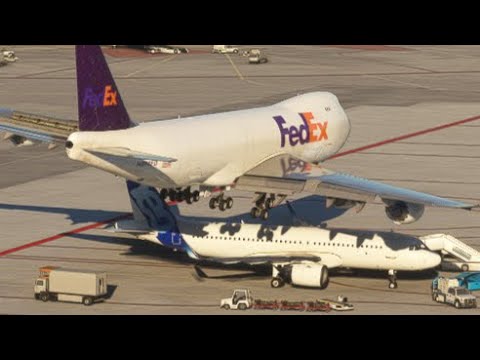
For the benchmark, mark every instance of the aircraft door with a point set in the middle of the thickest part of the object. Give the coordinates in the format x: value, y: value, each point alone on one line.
x: 176, y: 239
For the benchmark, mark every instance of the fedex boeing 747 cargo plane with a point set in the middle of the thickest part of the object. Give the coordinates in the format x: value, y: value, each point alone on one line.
x: 272, y: 151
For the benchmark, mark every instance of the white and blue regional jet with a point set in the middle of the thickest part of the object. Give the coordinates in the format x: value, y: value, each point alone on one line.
x: 299, y: 255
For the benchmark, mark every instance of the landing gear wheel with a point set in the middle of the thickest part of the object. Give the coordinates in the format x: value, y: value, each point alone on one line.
x: 87, y: 301
x: 213, y: 203
x: 277, y: 283
x: 264, y: 215
x: 255, y: 212
x: 223, y: 205
x: 324, y: 278
x: 163, y: 194
x: 393, y: 285
x: 465, y: 268
x: 172, y: 194
x: 196, y: 196
x: 180, y: 196
x: 229, y: 202
x: 268, y: 203
x: 242, y: 306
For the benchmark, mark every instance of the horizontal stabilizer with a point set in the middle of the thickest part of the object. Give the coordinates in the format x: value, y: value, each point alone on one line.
x: 129, y: 227
x: 35, y: 127
x: 127, y: 153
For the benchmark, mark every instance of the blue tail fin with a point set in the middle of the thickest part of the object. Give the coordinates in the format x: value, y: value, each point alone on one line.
x: 100, y: 106
x: 150, y: 209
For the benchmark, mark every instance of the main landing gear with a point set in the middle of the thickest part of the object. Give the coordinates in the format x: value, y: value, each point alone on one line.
x: 279, y: 276
x: 179, y: 195
x: 221, y: 202
x: 392, y: 277
x: 263, y: 203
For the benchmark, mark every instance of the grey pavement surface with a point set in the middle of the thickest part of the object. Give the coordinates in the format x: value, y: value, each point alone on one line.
x: 386, y: 94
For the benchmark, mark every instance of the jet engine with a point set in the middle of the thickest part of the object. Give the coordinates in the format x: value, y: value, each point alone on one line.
x: 404, y: 213
x: 309, y: 275
x: 18, y: 140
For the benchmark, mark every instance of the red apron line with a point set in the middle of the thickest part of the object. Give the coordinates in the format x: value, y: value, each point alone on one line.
x: 404, y: 137
x: 62, y: 235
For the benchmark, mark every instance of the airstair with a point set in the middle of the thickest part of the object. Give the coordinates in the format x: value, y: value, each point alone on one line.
x: 457, y: 256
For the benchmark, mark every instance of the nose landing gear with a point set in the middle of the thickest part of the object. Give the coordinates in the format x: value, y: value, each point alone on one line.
x: 392, y: 276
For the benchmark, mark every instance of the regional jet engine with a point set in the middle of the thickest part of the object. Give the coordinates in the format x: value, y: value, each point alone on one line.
x: 309, y: 275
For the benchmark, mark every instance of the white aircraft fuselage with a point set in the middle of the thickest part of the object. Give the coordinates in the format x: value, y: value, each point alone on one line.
x: 336, y: 248
x: 214, y: 150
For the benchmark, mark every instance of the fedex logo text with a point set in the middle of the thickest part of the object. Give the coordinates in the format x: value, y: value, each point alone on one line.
x: 105, y: 98
x: 308, y: 132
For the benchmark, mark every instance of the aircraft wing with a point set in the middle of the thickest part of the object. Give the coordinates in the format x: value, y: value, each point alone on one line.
x: 35, y: 127
x: 287, y: 175
x: 330, y: 260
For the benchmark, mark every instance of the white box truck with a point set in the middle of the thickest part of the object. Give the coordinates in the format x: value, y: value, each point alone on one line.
x: 58, y: 284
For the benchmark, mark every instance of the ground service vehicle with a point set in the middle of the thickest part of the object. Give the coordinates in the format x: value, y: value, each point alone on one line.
x: 448, y: 291
x: 240, y: 300
x: 225, y: 49
x: 68, y: 285
x: 256, y: 57
x: 243, y: 300
x: 7, y: 56
x: 340, y: 305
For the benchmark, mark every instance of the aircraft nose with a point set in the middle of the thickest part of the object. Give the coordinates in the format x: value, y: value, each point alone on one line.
x: 432, y: 260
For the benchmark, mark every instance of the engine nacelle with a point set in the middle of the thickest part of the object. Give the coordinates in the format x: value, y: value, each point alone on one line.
x: 309, y: 275
x: 18, y: 140
x: 404, y: 213
x: 341, y: 203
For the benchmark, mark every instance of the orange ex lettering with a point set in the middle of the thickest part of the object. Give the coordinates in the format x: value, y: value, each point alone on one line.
x: 110, y: 97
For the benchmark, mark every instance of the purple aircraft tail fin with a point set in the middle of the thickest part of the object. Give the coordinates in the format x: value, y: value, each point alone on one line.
x: 100, y: 106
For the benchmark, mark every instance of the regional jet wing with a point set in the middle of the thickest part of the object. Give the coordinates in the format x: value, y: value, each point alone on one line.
x: 287, y: 175
x: 36, y: 127
x: 330, y: 260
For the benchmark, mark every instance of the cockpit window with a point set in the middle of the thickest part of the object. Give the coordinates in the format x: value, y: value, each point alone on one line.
x: 416, y: 247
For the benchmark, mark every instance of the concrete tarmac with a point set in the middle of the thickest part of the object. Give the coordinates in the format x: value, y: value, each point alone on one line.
x: 386, y: 94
